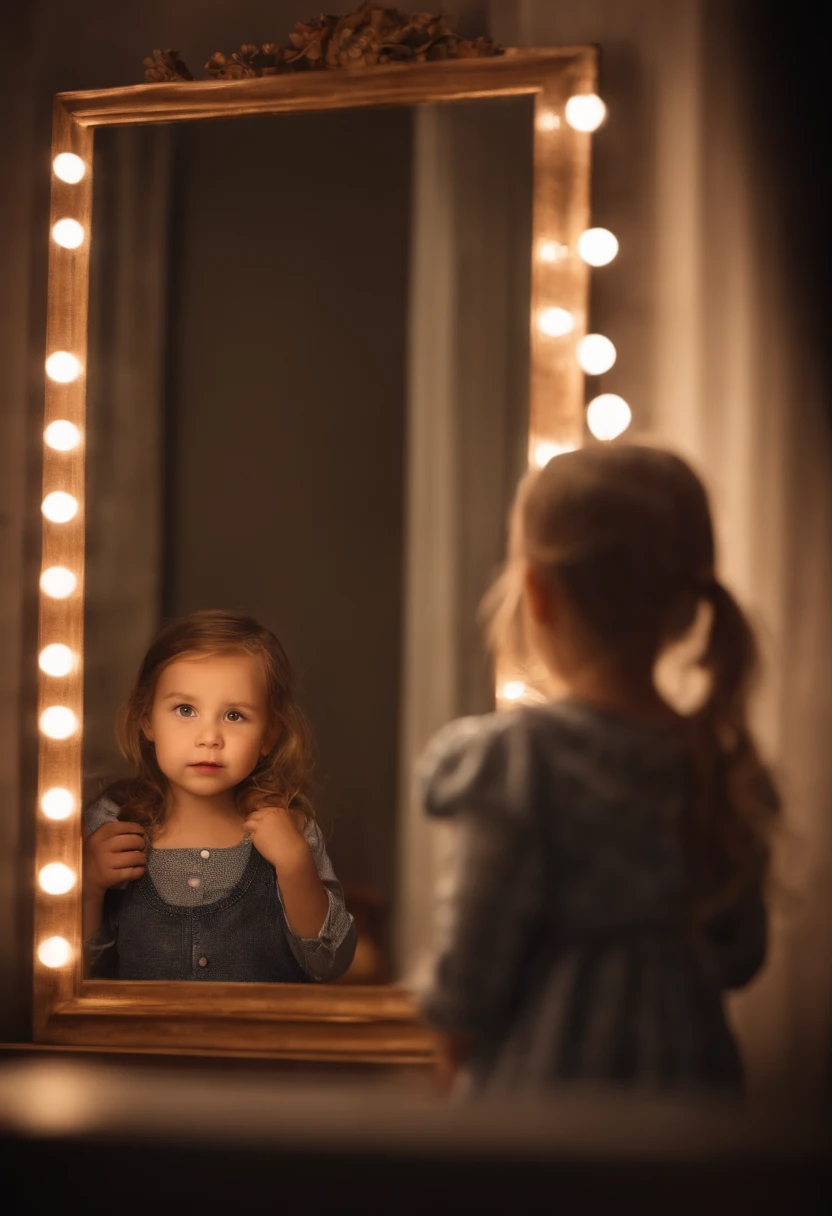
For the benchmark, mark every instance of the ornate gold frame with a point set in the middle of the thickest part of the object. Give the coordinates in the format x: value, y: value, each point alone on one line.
x: 339, y: 1023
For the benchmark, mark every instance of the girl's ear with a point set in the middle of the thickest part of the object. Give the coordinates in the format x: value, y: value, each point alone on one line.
x: 269, y: 741
x: 541, y: 596
x: 146, y: 729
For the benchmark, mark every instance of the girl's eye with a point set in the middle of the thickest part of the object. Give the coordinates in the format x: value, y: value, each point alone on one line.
x: 185, y: 711
x: 234, y: 715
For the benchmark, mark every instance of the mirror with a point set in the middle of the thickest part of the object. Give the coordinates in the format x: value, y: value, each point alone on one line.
x: 309, y: 386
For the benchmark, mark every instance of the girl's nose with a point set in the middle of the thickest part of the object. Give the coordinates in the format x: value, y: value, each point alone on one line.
x: 210, y: 735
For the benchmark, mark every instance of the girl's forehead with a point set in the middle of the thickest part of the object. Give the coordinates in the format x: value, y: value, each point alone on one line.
x: 234, y: 676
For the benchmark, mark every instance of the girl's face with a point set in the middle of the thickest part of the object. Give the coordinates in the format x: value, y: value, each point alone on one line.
x: 210, y: 722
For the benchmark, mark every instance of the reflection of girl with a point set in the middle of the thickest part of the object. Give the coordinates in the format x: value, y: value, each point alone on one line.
x: 173, y: 889
x: 607, y: 885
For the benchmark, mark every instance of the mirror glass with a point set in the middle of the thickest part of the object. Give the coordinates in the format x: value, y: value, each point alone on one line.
x: 308, y: 333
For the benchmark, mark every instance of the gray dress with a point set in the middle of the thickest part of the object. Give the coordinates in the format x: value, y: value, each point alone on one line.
x: 563, y: 950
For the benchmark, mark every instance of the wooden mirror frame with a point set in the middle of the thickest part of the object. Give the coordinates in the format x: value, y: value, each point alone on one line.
x: 327, y: 1023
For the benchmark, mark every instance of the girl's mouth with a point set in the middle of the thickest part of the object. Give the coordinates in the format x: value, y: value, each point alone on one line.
x: 206, y: 767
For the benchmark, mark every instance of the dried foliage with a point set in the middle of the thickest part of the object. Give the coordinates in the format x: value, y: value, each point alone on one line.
x: 371, y: 35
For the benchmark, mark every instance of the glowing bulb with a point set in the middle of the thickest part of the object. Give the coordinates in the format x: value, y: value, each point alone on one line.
x: 58, y: 722
x: 551, y: 251
x: 544, y: 451
x: 512, y: 690
x: 596, y: 354
x: 56, y: 660
x: 58, y: 582
x: 55, y: 952
x: 597, y: 246
x: 57, y: 803
x: 69, y: 234
x: 608, y: 416
x: 59, y: 507
x: 56, y: 878
x: 585, y: 111
x: 63, y: 367
x: 555, y: 322
x: 548, y: 121
x: 69, y: 167
x: 62, y: 436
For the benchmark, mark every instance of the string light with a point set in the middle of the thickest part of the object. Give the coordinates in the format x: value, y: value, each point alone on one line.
x: 551, y: 251
x: 62, y: 367
x: 585, y: 111
x: 597, y: 246
x: 69, y: 234
x: 56, y: 878
x: 59, y: 507
x: 69, y: 167
x: 513, y: 690
x: 62, y: 436
x: 57, y: 803
x: 543, y: 451
x: 548, y: 121
x: 58, y: 722
x: 608, y: 416
x: 57, y: 582
x: 56, y: 660
x: 596, y: 354
x: 555, y: 322
x: 55, y: 952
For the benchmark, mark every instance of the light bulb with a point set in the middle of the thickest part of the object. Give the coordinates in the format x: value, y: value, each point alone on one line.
x: 551, y: 251
x: 63, y: 367
x: 58, y: 582
x: 58, y: 722
x: 555, y: 322
x: 56, y: 660
x: 512, y: 690
x: 57, y: 803
x: 69, y: 234
x: 59, y: 507
x: 55, y: 952
x: 548, y: 121
x: 56, y: 878
x: 62, y: 436
x: 608, y: 416
x: 69, y: 167
x: 585, y: 111
x: 543, y: 451
x: 597, y: 246
x: 596, y: 354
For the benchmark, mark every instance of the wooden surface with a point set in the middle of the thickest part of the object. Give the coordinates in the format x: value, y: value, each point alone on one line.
x: 337, y: 1023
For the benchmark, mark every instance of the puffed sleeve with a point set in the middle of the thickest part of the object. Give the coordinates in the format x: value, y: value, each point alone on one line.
x: 480, y: 774
x: 329, y: 955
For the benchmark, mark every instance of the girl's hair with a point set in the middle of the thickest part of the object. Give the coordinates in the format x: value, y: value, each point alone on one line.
x: 626, y: 532
x: 280, y: 778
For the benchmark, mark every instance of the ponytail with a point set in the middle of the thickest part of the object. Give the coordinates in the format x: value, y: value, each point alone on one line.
x: 735, y: 802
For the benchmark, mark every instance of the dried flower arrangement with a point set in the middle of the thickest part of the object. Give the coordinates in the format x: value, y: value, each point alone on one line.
x: 371, y: 35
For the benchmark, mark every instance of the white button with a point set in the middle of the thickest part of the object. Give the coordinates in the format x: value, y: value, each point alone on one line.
x: 205, y: 854
x: 203, y: 962
x: 193, y: 882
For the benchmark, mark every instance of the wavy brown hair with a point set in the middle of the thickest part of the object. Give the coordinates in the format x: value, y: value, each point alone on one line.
x: 280, y: 779
x: 626, y: 532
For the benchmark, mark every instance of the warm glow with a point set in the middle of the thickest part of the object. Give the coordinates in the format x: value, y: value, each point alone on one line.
x: 56, y: 879
x: 62, y: 436
x: 69, y: 167
x: 69, y: 234
x: 543, y: 451
x: 63, y: 367
x: 58, y: 722
x: 555, y: 322
x: 59, y: 507
x: 597, y: 246
x: 585, y: 111
x: 596, y: 354
x: 548, y: 121
x: 56, y: 660
x: 512, y: 690
x: 55, y: 952
x: 551, y: 251
x: 57, y: 803
x: 608, y: 416
x: 58, y: 582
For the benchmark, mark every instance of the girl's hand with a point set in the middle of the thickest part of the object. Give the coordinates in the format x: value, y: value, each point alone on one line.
x: 115, y: 853
x: 277, y: 834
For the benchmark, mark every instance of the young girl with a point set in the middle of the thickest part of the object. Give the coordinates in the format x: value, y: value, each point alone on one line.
x: 207, y: 863
x: 607, y: 884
